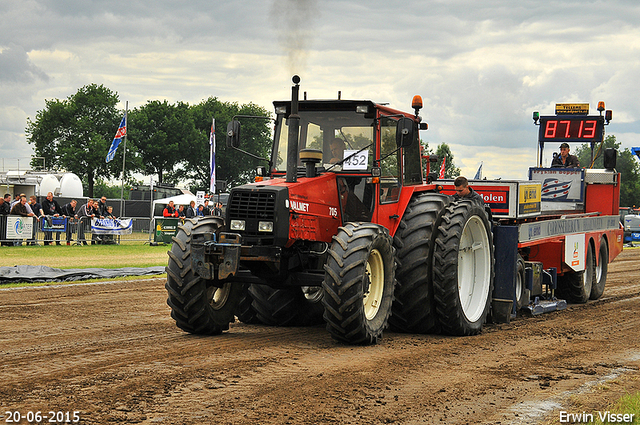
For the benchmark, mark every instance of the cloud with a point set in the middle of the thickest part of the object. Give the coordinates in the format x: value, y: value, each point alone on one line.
x: 17, y: 68
x: 482, y: 68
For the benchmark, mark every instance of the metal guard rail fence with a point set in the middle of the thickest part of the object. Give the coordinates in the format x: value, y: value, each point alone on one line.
x: 23, y: 231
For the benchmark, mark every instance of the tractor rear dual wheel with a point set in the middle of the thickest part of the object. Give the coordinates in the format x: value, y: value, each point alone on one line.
x: 197, y: 305
x: 413, y: 309
x: 359, y: 283
x: 463, y: 268
x: 286, y: 307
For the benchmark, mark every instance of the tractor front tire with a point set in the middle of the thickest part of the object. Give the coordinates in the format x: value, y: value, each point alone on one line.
x: 359, y: 283
x: 463, y: 268
x: 413, y: 310
x: 197, y: 305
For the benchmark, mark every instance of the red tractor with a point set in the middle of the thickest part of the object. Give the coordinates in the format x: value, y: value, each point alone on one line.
x: 343, y: 226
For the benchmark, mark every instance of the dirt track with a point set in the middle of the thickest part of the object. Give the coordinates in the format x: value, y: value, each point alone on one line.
x: 112, y: 352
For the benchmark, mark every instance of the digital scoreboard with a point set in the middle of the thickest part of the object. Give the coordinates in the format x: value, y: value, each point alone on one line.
x: 571, y: 128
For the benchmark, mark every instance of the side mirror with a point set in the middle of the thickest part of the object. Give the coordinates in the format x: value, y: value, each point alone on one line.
x: 233, y: 134
x: 405, y: 132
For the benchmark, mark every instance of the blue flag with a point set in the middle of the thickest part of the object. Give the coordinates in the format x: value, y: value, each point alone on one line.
x: 122, y: 131
x: 479, y: 173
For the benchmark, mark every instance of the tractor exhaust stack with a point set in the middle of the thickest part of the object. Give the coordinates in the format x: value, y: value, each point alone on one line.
x: 294, y: 124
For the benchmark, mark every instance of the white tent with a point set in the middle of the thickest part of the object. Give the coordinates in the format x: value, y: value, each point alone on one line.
x: 184, y: 199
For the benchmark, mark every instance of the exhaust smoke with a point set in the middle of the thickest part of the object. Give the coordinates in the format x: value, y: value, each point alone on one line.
x: 293, y: 22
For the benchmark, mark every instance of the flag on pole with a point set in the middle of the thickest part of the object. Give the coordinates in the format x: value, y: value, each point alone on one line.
x: 122, y: 131
x: 441, y: 176
x: 212, y: 160
x: 479, y: 172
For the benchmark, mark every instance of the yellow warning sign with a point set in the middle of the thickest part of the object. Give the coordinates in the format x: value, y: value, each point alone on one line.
x: 572, y: 109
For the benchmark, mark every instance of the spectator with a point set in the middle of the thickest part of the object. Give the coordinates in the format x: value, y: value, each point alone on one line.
x: 69, y: 211
x: 191, y: 211
x: 108, y: 239
x: 181, y: 211
x: 95, y: 239
x: 200, y: 212
x: 101, y: 206
x: 5, y: 207
x: 35, y: 206
x: 22, y: 209
x: 217, y: 210
x: 463, y: 191
x: 51, y: 208
x: 170, y: 210
x: 37, y: 211
x: 84, y: 214
x: 16, y: 199
x: 206, y: 210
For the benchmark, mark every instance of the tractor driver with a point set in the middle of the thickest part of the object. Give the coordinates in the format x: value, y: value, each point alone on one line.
x: 337, y: 150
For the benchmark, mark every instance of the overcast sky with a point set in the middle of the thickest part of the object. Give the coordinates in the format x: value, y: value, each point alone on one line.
x: 482, y: 68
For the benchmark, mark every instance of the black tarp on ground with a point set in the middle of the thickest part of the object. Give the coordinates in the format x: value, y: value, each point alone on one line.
x: 49, y: 274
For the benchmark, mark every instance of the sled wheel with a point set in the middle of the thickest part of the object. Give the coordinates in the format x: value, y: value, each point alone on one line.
x: 413, y: 309
x: 198, y: 306
x: 601, y: 270
x: 463, y: 268
x: 576, y: 286
x: 523, y: 295
x: 359, y: 282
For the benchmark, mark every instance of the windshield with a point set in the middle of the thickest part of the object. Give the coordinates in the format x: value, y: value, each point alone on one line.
x: 338, y: 134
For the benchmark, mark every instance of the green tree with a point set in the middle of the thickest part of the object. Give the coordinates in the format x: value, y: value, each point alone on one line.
x: 102, y: 188
x: 626, y: 163
x: 450, y: 169
x: 162, y: 132
x: 232, y: 166
x: 75, y: 134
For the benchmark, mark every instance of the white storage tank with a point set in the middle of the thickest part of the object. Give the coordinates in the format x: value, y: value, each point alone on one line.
x: 71, y: 186
x: 49, y: 183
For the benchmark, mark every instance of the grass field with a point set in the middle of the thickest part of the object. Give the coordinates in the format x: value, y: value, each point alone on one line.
x: 81, y: 257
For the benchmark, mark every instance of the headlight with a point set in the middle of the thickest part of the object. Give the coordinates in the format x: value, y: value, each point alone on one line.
x: 237, y: 224
x: 265, y: 226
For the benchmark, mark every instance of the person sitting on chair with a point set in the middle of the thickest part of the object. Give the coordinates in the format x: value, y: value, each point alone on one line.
x: 564, y: 158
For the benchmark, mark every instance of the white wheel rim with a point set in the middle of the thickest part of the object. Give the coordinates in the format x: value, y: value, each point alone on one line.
x: 587, y: 274
x: 474, y: 269
x: 519, y: 285
x: 375, y: 272
x: 599, y: 266
x: 219, y: 296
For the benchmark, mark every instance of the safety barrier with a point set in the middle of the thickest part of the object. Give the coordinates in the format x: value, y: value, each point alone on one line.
x: 17, y: 230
